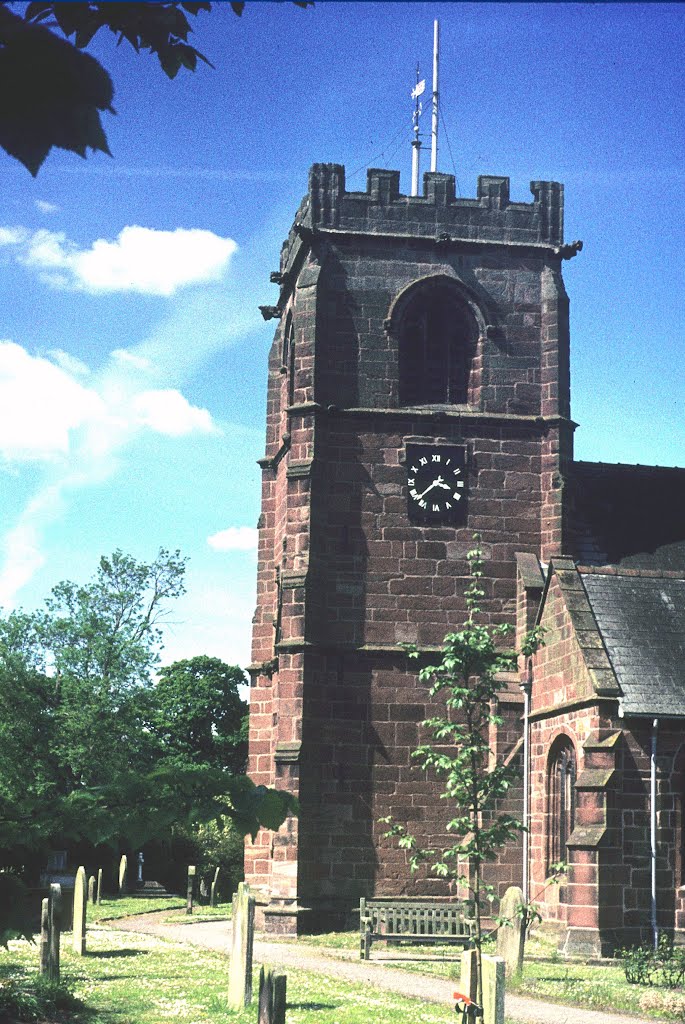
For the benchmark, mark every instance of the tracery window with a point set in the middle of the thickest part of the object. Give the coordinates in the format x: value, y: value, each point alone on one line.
x: 436, y: 346
x: 561, y: 799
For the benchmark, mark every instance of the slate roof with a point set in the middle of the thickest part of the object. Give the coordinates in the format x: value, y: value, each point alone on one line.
x: 631, y: 516
x: 641, y: 619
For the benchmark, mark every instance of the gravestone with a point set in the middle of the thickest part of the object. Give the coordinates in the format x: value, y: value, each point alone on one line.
x: 123, y: 875
x: 78, y: 935
x: 240, y: 968
x: 272, y: 997
x: 54, y: 930
x: 212, y: 891
x: 45, y: 936
x: 99, y: 887
x: 190, y: 891
x: 468, y: 982
x: 91, y: 889
x: 493, y: 989
x: 511, y: 936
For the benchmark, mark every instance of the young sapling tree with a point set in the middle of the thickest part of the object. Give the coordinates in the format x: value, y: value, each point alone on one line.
x: 467, y: 681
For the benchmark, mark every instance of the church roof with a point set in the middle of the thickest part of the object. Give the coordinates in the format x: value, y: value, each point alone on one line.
x: 628, y: 515
x: 641, y: 619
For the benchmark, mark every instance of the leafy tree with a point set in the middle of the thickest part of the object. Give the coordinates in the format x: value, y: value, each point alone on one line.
x: 474, y: 780
x: 52, y: 93
x: 78, y: 759
x: 199, y: 713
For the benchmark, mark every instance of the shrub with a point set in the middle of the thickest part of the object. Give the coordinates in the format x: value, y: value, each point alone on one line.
x: 663, y: 966
x: 35, y: 999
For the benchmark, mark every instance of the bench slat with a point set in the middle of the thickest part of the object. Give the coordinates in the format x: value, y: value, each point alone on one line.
x: 420, y: 921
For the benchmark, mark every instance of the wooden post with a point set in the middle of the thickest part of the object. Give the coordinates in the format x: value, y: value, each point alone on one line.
x: 272, y: 997
x: 469, y: 974
x: 123, y: 875
x: 78, y: 935
x: 54, y: 930
x: 45, y: 936
x: 493, y: 989
x: 240, y: 968
x: 212, y: 891
x: 190, y: 891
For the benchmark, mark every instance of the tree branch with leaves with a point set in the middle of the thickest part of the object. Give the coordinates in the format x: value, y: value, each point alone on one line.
x: 52, y: 93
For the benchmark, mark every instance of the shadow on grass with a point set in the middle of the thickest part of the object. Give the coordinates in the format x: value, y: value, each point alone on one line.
x: 313, y: 1006
x: 111, y: 954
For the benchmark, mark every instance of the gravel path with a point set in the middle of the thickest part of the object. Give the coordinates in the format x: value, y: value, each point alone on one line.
x: 345, y: 964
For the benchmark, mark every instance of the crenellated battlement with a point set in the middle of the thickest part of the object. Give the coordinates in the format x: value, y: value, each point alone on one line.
x: 491, y: 216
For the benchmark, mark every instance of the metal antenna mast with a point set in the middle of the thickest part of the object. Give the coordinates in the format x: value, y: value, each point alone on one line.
x: 434, y: 127
x: 416, y: 141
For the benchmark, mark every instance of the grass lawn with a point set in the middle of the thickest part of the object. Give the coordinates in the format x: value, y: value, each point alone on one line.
x: 139, y: 979
x: 223, y: 912
x: 127, y: 906
x: 547, y: 975
x: 128, y: 978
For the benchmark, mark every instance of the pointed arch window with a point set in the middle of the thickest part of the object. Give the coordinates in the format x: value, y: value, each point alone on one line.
x: 437, y: 341
x: 561, y: 799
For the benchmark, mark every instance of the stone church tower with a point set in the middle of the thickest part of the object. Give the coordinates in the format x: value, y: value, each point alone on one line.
x: 418, y: 393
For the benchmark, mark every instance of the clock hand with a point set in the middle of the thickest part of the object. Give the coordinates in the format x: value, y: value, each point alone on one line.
x: 436, y: 483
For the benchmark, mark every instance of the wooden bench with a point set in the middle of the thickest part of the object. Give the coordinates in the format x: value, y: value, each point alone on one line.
x: 416, y: 921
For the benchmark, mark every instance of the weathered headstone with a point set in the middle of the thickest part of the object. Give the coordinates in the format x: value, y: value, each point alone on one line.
x: 468, y: 983
x: 54, y: 930
x: 45, y: 936
x: 272, y: 997
x: 240, y: 969
x: 190, y: 892
x: 493, y: 989
x: 98, y: 897
x: 78, y: 934
x: 511, y: 936
x: 91, y: 889
x: 141, y: 861
x: 212, y: 891
x: 123, y: 875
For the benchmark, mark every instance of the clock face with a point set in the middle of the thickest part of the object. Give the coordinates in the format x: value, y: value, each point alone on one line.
x: 436, y: 483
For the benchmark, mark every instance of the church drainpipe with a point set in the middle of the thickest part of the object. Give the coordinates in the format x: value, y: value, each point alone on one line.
x: 526, y: 687
x: 652, y: 830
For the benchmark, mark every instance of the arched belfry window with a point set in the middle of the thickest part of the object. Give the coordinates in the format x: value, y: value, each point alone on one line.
x: 561, y: 799
x: 437, y: 336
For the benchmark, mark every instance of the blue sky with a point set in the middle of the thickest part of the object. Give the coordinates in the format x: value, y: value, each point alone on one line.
x: 132, y: 353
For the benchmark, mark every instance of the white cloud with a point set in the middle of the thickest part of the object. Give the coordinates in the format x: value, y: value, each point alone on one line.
x: 168, y: 412
x: 139, y: 260
x: 22, y: 545
x: 12, y: 236
x: 198, y: 324
x: 78, y: 432
x: 47, y: 413
x: 70, y: 363
x: 45, y: 207
x: 123, y: 355
x: 234, y: 538
x: 41, y: 404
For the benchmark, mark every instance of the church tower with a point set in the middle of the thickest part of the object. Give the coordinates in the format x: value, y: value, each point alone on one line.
x: 418, y: 394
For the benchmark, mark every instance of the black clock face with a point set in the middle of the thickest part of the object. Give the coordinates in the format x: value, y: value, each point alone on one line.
x: 436, y: 483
